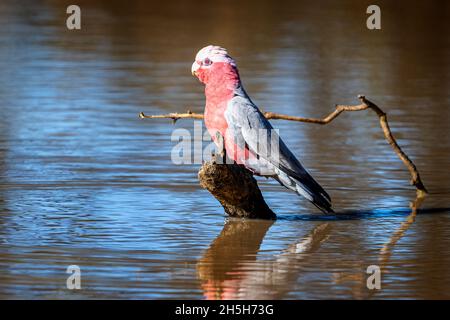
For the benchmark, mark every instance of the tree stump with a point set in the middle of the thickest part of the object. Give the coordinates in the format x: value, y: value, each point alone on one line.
x: 236, y: 189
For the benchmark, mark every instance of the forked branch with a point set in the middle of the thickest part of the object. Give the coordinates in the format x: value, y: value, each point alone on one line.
x: 365, y: 104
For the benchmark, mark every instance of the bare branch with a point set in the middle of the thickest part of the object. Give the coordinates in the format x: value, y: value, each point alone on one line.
x: 365, y: 104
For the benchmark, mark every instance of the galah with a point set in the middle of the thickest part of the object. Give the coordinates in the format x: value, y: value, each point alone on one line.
x: 235, y: 123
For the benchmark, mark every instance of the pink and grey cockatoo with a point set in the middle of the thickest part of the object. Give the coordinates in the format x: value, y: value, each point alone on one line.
x: 230, y: 115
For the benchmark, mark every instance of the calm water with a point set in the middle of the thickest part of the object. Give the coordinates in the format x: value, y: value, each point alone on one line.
x: 83, y: 181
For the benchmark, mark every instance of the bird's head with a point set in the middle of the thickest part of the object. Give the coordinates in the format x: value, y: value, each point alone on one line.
x: 212, y: 63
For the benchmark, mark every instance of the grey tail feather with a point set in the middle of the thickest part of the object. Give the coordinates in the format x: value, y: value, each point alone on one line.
x: 307, y: 188
x: 306, y: 180
x: 324, y: 206
x: 317, y: 195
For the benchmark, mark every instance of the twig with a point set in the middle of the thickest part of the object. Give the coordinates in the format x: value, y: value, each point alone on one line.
x: 173, y: 116
x: 365, y: 104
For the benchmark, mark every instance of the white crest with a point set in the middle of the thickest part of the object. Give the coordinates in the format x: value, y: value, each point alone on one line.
x: 215, y: 54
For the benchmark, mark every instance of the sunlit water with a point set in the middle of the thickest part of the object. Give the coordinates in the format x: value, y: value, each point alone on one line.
x: 84, y: 181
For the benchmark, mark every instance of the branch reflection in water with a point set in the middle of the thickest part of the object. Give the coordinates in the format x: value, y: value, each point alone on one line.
x: 359, y: 289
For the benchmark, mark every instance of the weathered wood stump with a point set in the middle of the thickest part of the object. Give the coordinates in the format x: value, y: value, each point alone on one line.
x: 236, y: 189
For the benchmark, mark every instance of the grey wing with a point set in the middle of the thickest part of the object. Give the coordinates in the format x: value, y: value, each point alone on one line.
x: 260, y: 137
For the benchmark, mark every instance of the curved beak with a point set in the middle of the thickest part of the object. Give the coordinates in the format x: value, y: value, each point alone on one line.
x: 194, y: 68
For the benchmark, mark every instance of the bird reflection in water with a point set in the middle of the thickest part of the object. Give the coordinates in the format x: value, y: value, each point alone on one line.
x: 229, y: 269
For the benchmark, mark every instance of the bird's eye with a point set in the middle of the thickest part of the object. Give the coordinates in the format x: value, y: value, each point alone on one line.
x: 207, y: 62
